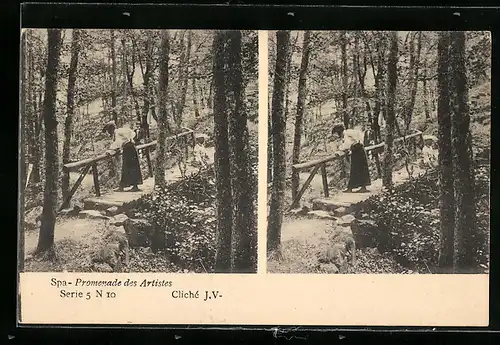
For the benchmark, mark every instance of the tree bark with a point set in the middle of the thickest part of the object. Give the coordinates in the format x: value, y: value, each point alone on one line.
x: 163, y: 112
x: 184, y: 77
x: 46, y: 237
x: 278, y: 129
x: 113, y: 77
x: 301, y: 104
x: 222, y: 167
x: 414, y: 69
x: 343, y: 48
x: 425, y: 91
x: 70, y: 110
x: 244, y: 222
x: 147, y: 76
x: 391, y: 113
x: 446, y: 198
x: 466, y: 241
x: 32, y: 110
x: 23, y: 163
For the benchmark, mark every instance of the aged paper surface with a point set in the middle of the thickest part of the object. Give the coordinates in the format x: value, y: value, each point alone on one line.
x: 281, y: 292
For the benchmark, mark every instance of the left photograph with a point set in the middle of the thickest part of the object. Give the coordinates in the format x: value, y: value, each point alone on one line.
x: 138, y: 151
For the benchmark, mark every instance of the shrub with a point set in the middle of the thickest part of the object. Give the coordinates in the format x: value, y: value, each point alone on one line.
x: 183, y: 215
x: 408, y: 220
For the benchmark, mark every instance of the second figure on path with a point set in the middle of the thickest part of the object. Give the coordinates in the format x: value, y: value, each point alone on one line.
x: 359, y: 175
x: 131, y: 170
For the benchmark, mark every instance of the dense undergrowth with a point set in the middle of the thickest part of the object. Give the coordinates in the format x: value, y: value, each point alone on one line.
x: 408, y: 221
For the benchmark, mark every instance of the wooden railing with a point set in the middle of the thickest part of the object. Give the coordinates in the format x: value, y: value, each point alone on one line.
x: 321, y: 164
x: 91, y: 163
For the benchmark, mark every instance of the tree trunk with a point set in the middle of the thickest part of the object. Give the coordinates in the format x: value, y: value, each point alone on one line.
x: 163, y: 113
x: 289, y: 75
x: 391, y: 113
x: 46, y: 237
x: 195, y: 98
x: 301, y: 102
x: 466, y: 241
x: 278, y: 129
x: 222, y: 167
x: 113, y: 76
x: 343, y: 48
x: 414, y: 68
x: 243, y: 183
x: 32, y: 110
x: 425, y: 92
x: 70, y: 110
x: 446, y: 198
x: 147, y: 75
x: 183, y: 78
x: 23, y: 163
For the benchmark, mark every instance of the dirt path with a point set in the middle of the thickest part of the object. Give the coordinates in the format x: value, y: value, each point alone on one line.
x: 83, y: 231
x: 306, y: 230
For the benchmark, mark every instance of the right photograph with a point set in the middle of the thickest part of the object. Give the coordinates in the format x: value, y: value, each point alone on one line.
x: 379, y: 152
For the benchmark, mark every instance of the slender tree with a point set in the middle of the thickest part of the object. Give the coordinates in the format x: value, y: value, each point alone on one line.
x: 446, y: 199
x: 244, y: 225
x: 343, y: 49
x: 391, y: 111
x: 222, y: 162
x: 278, y: 129
x: 46, y: 237
x: 112, y: 40
x: 466, y: 242
x: 301, y: 104
x: 163, y: 112
x: 23, y: 160
x: 70, y: 109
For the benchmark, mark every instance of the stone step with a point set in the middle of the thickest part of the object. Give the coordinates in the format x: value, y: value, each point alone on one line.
x: 101, y: 204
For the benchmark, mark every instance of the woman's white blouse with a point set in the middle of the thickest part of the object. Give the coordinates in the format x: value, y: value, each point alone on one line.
x: 351, y: 137
x: 122, y: 136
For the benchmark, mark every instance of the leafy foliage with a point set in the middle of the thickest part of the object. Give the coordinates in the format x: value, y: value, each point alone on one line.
x: 183, y: 215
x: 408, y: 220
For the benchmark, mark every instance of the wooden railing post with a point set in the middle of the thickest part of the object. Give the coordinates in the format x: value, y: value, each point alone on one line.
x: 325, y: 180
x: 95, y: 173
x: 75, y: 187
x: 148, y: 160
x: 295, y: 202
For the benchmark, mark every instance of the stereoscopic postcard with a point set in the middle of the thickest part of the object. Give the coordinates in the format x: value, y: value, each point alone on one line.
x: 251, y: 177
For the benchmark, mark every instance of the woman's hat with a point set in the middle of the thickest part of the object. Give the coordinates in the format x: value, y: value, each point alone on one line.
x: 338, y: 128
x: 108, y: 126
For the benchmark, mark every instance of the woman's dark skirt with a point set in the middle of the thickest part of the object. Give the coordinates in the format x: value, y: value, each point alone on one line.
x: 359, y: 175
x: 131, y: 169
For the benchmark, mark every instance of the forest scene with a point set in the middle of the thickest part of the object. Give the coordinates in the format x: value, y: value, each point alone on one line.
x: 138, y: 151
x: 405, y: 116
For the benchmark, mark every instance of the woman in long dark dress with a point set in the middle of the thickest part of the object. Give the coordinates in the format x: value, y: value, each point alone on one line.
x: 359, y: 176
x: 131, y: 169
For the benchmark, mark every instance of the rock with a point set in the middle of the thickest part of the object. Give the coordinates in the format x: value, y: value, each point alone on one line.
x: 367, y: 234
x: 32, y: 218
x: 70, y: 212
x: 65, y: 212
x: 341, y: 211
x: 112, y: 211
x: 118, y: 219
x: 102, y: 267
x: 321, y: 214
x: 92, y: 214
x: 301, y: 211
x: 117, y: 228
x: 139, y: 232
x: 346, y: 220
x: 130, y: 213
x: 329, y: 268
